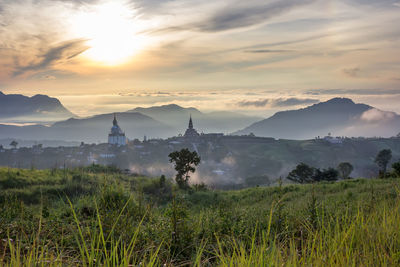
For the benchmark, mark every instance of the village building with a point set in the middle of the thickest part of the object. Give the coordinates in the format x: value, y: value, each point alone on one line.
x: 333, y: 140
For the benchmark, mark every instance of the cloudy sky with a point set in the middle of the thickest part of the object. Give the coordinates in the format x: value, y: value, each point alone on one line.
x: 255, y: 56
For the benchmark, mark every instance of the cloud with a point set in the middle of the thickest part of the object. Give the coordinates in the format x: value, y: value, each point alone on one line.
x: 49, y: 77
x: 255, y: 103
x: 353, y: 92
x: 293, y: 101
x: 268, y: 51
x: 236, y: 15
x: 64, y: 51
x: 352, y: 72
x: 239, y: 16
x: 279, y: 102
x: 376, y: 115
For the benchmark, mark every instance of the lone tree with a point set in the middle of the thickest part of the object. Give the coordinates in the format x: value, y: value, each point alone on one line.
x: 345, y: 169
x: 302, y: 174
x: 382, y: 159
x: 14, y: 144
x: 184, y: 162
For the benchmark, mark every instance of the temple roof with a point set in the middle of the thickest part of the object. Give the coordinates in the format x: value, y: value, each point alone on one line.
x: 190, y: 131
x: 116, y: 130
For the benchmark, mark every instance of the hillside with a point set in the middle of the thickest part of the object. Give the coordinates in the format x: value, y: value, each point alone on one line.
x: 339, y: 116
x: 147, y: 222
x: 227, y: 162
x: 178, y: 117
x: 92, y: 129
x: 154, y: 122
x: 35, y: 108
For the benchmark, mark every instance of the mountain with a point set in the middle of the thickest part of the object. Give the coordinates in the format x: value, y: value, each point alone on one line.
x: 178, y: 117
x: 155, y: 122
x: 38, y: 107
x: 96, y: 128
x: 339, y: 116
x: 92, y: 129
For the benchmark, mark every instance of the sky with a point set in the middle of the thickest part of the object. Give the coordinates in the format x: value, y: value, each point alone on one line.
x: 253, y: 56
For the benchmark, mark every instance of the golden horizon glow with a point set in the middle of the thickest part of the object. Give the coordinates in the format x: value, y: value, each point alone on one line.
x: 112, y: 47
x: 111, y: 31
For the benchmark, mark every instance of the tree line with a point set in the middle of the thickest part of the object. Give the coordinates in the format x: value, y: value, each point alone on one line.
x: 304, y: 173
x: 185, y: 162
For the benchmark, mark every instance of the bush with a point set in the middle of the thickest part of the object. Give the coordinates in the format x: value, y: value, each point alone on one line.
x: 302, y: 174
x: 329, y: 174
x: 396, y: 168
x: 305, y: 174
x: 97, y: 168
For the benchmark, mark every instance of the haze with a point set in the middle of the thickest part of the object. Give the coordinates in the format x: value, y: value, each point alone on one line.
x: 254, y: 56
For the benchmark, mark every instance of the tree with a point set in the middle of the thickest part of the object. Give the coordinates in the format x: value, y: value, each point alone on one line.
x: 345, y: 169
x: 302, y: 174
x: 396, y: 168
x: 14, y: 144
x: 329, y: 174
x: 184, y: 162
x: 382, y: 159
x: 162, y: 181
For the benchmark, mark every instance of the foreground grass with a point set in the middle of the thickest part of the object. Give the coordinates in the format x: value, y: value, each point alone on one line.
x: 56, y: 218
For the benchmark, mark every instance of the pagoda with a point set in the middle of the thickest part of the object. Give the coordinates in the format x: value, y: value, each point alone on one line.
x: 190, y: 131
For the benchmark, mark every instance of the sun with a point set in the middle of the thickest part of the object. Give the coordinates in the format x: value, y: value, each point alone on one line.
x: 111, y: 30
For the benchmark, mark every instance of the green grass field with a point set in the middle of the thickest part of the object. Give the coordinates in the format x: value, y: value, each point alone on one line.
x: 88, y: 217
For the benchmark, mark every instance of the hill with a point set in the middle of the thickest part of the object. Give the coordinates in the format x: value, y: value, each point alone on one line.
x: 97, y: 214
x: 340, y: 116
x: 178, y: 117
x: 134, y: 124
x: 35, y: 108
x: 155, y: 122
x: 92, y: 129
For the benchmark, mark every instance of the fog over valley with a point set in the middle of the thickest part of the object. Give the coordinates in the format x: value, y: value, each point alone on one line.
x: 236, y: 150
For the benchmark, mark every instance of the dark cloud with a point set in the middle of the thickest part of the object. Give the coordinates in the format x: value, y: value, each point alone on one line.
x: 255, y: 103
x: 353, y: 92
x: 243, y: 16
x: 352, y: 72
x: 65, y: 51
x: 293, y: 102
x: 238, y: 16
x: 261, y: 51
x: 280, y: 102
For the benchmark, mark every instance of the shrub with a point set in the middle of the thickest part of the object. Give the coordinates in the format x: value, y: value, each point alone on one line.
x: 396, y: 168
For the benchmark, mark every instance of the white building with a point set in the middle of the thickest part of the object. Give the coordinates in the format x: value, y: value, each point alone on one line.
x: 333, y: 140
x: 107, y: 156
x: 116, y: 136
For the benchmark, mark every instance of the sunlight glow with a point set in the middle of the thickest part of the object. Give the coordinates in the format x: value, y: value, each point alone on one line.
x: 112, y: 32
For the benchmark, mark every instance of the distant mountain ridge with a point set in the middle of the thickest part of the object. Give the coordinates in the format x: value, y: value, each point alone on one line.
x: 35, y: 107
x: 96, y: 128
x: 340, y: 116
x: 92, y: 130
x: 154, y: 122
x: 178, y: 117
x: 170, y: 108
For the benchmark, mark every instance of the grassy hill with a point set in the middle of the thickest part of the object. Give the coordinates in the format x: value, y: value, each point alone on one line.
x: 98, y: 216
